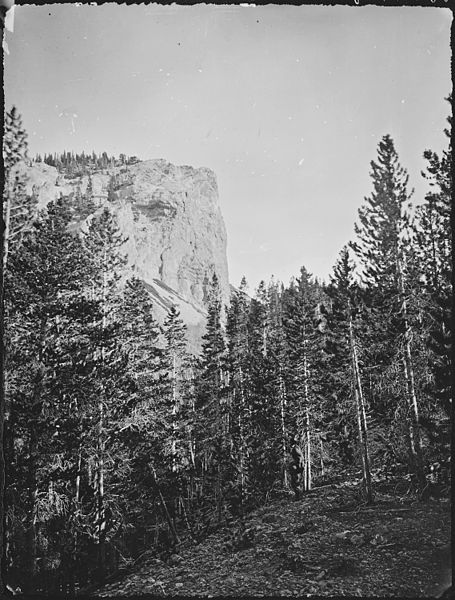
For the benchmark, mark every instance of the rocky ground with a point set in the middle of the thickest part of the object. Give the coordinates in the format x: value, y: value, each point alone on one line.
x: 326, y: 544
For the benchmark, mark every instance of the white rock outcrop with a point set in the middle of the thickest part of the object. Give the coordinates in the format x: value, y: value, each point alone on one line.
x: 171, y: 216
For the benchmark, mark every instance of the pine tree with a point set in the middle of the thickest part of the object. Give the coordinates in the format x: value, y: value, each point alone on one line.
x: 17, y: 213
x: 178, y: 404
x: 88, y: 205
x: 140, y: 337
x: 345, y: 364
x: 304, y: 355
x: 264, y: 457
x: 433, y: 237
x: 239, y: 410
x: 382, y: 235
x: 46, y: 319
x: 211, y: 392
x: 178, y: 381
x: 278, y: 354
x: 146, y: 422
x: 104, y: 241
x: 18, y: 206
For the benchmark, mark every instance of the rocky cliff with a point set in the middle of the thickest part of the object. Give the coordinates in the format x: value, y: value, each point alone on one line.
x: 171, y: 216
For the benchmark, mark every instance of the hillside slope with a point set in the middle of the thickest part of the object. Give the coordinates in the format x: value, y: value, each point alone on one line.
x: 325, y: 544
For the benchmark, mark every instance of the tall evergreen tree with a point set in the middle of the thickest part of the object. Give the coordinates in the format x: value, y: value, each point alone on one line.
x: 46, y: 320
x: 278, y: 354
x: 145, y: 425
x: 433, y: 236
x: 382, y: 238
x: 212, y: 397
x: 265, y: 460
x: 18, y: 207
x: 177, y: 365
x: 304, y: 355
x: 345, y: 363
x: 104, y: 241
x: 178, y: 403
x: 239, y: 409
x: 16, y: 215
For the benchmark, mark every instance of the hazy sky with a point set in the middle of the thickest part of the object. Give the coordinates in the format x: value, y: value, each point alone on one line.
x: 286, y: 104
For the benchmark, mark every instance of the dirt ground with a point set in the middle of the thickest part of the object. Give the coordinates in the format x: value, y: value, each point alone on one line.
x: 325, y: 544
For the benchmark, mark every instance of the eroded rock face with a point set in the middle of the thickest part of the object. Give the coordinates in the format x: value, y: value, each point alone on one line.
x: 171, y: 216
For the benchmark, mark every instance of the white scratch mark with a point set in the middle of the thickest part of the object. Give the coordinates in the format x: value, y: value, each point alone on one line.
x: 9, y: 22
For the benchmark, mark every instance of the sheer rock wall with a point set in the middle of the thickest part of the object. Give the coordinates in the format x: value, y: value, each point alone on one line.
x: 172, y: 219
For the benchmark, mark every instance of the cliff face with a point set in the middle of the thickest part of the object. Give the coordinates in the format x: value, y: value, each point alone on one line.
x: 176, y: 234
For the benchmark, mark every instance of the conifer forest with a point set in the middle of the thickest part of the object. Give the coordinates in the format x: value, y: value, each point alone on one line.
x: 119, y: 442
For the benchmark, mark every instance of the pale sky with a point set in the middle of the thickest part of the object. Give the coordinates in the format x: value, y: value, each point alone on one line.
x: 286, y: 104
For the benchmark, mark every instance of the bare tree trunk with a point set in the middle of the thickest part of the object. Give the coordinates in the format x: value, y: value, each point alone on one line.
x: 242, y: 433
x: 78, y: 476
x: 191, y: 449
x: 219, y: 430
x: 411, y: 396
x: 322, y: 455
x: 308, y: 451
x: 191, y: 441
x: 413, y: 421
x: 174, y: 415
x: 164, y: 506
x: 100, y: 513
x: 241, y: 454
x: 187, y: 522
x: 218, y: 492
x: 361, y: 415
x: 283, y: 427
x: 307, y: 470
x: 6, y: 230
